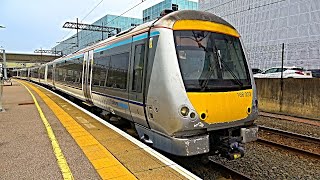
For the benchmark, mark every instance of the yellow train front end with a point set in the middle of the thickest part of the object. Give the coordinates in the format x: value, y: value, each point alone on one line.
x: 222, y: 107
x: 218, y: 82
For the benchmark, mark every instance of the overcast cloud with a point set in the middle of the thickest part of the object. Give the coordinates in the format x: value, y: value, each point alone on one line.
x: 35, y: 24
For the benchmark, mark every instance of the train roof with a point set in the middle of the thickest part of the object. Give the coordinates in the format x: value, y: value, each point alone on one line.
x: 169, y: 20
x: 166, y: 21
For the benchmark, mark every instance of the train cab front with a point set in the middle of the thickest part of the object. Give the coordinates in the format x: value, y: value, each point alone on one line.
x: 218, y: 83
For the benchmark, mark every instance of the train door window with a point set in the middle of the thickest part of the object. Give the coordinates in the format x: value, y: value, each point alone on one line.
x: 78, y: 71
x: 50, y: 72
x: 41, y: 73
x: 69, y: 76
x: 118, y: 71
x: 138, y: 65
x: 101, y: 63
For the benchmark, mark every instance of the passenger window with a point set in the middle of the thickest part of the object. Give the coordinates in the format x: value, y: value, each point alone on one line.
x: 101, y: 63
x: 138, y: 68
x: 118, y: 71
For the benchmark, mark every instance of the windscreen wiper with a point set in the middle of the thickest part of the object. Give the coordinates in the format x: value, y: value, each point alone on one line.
x: 209, y: 74
x: 222, y: 63
x: 199, y: 41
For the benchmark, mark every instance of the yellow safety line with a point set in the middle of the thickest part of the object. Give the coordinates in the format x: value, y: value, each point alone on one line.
x: 63, y: 165
x: 107, y: 166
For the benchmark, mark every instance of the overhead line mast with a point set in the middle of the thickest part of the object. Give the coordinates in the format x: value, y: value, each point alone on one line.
x: 90, y: 27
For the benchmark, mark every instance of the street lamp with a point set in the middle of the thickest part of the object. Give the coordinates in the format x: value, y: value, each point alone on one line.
x: 4, y: 62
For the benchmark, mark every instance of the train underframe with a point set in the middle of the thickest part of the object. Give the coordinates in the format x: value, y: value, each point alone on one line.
x: 230, y: 142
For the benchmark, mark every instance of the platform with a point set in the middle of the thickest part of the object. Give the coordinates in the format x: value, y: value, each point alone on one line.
x: 44, y: 136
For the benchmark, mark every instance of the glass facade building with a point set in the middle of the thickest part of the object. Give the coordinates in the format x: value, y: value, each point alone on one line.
x: 153, y: 12
x: 267, y: 24
x: 87, y: 38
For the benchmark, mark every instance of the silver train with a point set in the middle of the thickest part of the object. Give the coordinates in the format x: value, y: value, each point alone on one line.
x: 182, y: 80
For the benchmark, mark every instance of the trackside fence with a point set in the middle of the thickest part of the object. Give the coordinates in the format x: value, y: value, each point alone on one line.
x: 298, y: 97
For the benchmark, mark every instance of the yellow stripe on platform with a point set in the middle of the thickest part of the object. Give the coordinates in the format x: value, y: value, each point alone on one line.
x: 63, y: 165
x: 107, y: 166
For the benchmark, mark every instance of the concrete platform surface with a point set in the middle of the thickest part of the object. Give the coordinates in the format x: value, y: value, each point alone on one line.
x: 91, y: 149
x: 25, y: 149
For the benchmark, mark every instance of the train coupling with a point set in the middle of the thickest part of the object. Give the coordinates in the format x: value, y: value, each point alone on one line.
x: 231, y: 147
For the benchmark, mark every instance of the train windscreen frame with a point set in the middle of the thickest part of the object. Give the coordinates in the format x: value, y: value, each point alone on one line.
x: 211, y: 61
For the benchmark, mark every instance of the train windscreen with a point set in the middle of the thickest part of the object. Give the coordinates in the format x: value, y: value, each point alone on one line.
x: 211, y: 61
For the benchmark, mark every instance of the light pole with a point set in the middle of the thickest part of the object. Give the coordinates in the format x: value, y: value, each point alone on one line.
x: 2, y: 78
x: 4, y: 60
x: 4, y: 63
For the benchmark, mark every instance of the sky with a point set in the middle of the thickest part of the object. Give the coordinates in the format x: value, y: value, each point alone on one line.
x: 35, y: 24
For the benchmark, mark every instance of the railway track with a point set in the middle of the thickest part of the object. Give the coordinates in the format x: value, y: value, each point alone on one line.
x: 231, y: 173
x: 303, y: 144
x: 313, y: 122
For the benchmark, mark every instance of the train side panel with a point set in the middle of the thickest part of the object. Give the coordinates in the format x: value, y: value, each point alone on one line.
x: 68, y: 76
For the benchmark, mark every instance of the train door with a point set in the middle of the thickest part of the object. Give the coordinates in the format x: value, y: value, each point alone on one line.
x: 137, y: 73
x: 28, y: 74
x: 46, y: 74
x: 87, y: 76
x: 53, y: 74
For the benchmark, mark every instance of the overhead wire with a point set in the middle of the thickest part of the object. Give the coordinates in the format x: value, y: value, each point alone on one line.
x: 126, y: 11
x: 251, y: 8
x: 117, y: 16
x: 92, y: 10
x: 84, y: 18
x: 248, y: 9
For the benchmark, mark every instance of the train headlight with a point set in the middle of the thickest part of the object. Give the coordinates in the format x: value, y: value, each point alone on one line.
x: 184, y: 111
x: 192, y: 115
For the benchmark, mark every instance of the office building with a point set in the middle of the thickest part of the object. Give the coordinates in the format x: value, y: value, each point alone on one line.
x: 265, y: 25
x: 86, y: 38
x: 153, y: 12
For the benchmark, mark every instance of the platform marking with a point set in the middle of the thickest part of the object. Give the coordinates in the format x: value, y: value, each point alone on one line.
x: 148, y: 149
x: 82, y: 120
x: 106, y: 165
x: 89, y: 125
x: 62, y: 163
x: 86, y: 122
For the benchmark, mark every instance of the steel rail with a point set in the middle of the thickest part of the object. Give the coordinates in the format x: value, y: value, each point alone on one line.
x: 288, y: 134
x: 291, y: 134
x: 293, y: 118
x: 232, y: 172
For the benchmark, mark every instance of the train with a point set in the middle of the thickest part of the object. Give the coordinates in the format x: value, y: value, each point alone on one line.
x: 182, y: 81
